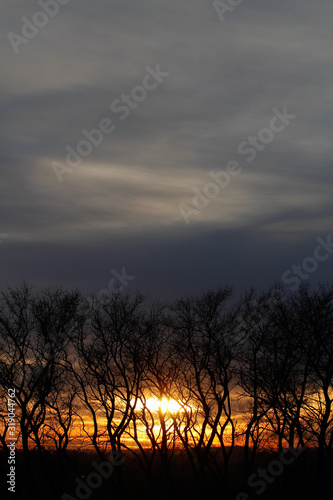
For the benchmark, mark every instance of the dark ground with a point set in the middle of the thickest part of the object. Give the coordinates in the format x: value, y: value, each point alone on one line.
x: 54, y: 478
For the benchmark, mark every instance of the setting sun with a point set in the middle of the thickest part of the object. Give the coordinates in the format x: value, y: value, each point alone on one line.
x: 164, y: 405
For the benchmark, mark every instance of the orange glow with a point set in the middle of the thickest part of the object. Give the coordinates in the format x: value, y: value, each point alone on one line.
x: 164, y: 405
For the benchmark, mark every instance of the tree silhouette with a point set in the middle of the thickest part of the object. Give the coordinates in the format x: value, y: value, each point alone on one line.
x: 255, y: 372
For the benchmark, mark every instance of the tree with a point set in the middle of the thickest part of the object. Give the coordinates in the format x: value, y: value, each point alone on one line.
x: 206, y: 341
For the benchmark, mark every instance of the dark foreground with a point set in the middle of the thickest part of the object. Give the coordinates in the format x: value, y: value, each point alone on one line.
x: 81, y: 475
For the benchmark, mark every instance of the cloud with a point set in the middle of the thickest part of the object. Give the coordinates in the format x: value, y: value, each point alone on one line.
x: 225, y: 79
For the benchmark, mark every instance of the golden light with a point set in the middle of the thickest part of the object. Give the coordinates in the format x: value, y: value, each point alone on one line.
x: 164, y: 405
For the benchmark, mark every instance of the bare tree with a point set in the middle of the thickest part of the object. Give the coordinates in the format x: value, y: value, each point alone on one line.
x: 34, y: 332
x: 206, y: 340
x: 108, y: 367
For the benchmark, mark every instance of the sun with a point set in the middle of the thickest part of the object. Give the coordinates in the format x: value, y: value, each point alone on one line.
x: 164, y: 405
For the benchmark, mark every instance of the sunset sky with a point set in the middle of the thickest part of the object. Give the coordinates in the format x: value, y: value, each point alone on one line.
x: 120, y: 206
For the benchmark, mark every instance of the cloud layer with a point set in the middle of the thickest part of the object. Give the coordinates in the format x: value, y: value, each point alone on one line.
x: 120, y: 206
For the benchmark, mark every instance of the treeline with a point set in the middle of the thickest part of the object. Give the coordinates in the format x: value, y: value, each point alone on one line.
x: 255, y: 372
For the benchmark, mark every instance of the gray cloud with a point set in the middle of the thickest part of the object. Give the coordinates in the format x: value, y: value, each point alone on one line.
x: 119, y: 207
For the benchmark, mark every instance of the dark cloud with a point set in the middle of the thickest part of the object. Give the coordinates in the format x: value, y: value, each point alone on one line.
x: 120, y: 206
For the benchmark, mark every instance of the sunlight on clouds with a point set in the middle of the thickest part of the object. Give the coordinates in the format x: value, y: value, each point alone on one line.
x: 113, y: 196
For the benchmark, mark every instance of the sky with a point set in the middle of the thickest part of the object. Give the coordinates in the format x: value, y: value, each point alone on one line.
x: 166, y: 146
